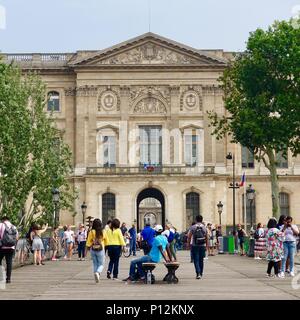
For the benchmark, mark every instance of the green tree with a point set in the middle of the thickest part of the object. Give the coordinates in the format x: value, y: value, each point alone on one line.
x: 262, y: 98
x: 33, y: 157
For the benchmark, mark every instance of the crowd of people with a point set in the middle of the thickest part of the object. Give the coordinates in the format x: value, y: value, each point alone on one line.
x: 277, y: 243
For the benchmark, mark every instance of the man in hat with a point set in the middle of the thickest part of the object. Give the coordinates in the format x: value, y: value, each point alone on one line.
x: 159, y: 248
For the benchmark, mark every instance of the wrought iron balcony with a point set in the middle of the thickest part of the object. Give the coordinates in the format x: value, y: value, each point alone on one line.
x: 152, y: 170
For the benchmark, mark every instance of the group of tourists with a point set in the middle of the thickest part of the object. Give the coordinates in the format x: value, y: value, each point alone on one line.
x: 278, y: 240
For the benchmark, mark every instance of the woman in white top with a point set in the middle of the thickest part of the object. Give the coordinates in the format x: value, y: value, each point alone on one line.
x: 69, y: 241
x: 81, y: 236
x: 260, y: 241
x: 290, y: 233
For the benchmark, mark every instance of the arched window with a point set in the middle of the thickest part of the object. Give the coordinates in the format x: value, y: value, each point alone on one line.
x: 192, y: 207
x: 108, y: 207
x: 53, y: 101
x: 284, y: 202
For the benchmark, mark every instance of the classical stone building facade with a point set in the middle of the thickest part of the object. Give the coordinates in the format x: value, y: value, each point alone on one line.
x: 135, y: 117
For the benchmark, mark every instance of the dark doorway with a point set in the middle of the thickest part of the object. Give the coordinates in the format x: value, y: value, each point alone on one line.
x: 150, y: 193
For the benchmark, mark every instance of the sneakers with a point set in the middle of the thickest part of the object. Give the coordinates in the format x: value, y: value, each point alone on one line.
x: 281, y: 275
x: 96, y: 275
x: 79, y: 259
x: 83, y: 259
x: 198, y: 276
x: 269, y: 275
x: 257, y: 258
x: 53, y: 259
x: 292, y: 274
x: 108, y: 275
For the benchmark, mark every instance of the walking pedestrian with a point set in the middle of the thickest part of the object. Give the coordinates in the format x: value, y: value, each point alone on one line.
x: 37, y: 243
x: 241, y: 237
x: 274, y: 248
x: 69, y: 242
x: 8, y: 240
x: 115, y: 241
x: 260, y: 241
x: 170, y: 234
x: 147, y: 236
x: 106, y: 228
x: 290, y: 232
x: 21, y: 247
x: 124, y: 229
x: 132, y: 234
x: 81, y: 236
x: 96, y: 243
x: 54, y: 244
x: 198, y: 235
x: 279, y: 226
x: 211, y: 235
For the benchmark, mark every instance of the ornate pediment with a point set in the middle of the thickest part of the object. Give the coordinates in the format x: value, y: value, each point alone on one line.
x: 149, y: 53
x: 149, y: 49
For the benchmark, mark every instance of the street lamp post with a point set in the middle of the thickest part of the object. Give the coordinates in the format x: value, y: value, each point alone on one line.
x: 220, y: 210
x: 233, y: 185
x: 250, y: 192
x: 55, y: 198
x: 83, y: 210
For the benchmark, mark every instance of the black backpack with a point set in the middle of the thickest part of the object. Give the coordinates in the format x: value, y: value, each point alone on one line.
x: 199, y: 236
x: 9, y: 238
x: 256, y: 235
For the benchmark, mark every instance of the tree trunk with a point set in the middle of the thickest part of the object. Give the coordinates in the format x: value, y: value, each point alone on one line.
x: 274, y: 184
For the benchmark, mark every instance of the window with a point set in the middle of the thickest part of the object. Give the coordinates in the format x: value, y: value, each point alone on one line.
x: 281, y: 161
x: 247, y: 158
x: 150, y: 145
x: 108, y: 207
x: 53, y: 101
x: 191, y: 149
x: 192, y: 207
x: 109, y: 151
x: 250, y: 213
x: 284, y: 203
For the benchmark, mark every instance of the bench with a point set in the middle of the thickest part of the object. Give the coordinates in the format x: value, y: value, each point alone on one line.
x: 170, y: 277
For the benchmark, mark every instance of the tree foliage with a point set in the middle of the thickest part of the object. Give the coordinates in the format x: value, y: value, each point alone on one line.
x: 33, y: 157
x: 262, y: 96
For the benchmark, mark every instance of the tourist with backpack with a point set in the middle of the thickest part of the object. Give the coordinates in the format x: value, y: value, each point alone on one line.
x: 197, y: 235
x: 147, y: 237
x: 260, y: 241
x: 96, y: 242
x: 241, y: 233
x: 8, y: 240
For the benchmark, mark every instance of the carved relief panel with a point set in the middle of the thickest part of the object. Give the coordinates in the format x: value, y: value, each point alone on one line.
x: 191, y: 98
x: 108, y: 99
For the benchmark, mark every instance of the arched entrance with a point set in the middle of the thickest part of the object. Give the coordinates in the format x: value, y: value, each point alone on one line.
x: 154, y: 213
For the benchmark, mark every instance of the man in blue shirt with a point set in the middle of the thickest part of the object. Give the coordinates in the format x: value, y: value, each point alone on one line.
x: 132, y: 232
x: 148, y: 235
x: 159, y: 247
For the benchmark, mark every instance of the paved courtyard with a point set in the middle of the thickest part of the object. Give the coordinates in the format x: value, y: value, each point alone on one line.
x: 226, y: 277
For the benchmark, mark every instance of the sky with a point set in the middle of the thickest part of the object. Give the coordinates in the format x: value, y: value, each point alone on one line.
x: 50, y: 26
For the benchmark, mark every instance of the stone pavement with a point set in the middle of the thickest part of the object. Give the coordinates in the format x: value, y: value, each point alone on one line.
x: 225, y: 277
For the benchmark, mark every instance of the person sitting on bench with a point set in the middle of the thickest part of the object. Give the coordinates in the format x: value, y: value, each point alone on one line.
x: 159, y: 248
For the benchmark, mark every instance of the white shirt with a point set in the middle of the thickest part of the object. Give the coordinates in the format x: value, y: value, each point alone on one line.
x: 69, y: 235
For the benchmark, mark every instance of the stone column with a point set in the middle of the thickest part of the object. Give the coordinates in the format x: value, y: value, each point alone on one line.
x: 92, y: 127
x: 81, y: 113
x: 208, y: 104
x: 175, y: 134
x: 123, y: 132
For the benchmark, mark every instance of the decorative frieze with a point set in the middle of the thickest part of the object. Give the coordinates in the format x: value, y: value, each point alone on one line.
x: 212, y: 90
x: 87, y: 91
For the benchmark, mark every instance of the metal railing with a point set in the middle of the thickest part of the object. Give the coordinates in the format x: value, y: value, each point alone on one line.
x: 155, y: 170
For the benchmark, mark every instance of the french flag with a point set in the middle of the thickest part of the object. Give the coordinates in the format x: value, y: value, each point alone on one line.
x: 243, y: 180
